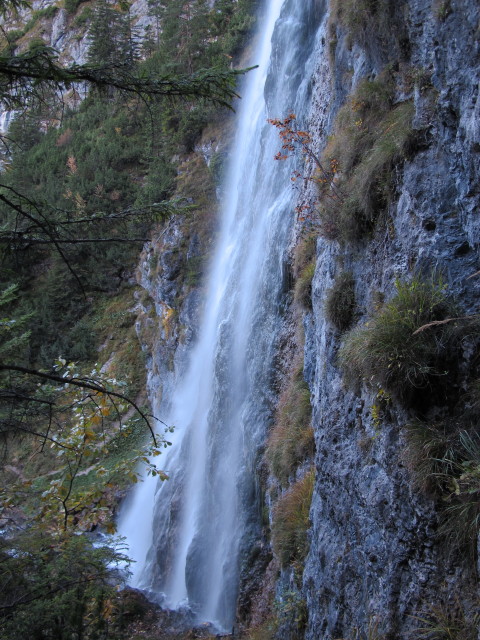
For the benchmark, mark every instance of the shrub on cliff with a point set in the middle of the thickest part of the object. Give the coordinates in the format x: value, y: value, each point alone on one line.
x: 340, y: 301
x: 371, y: 136
x: 390, y: 352
x: 443, y: 456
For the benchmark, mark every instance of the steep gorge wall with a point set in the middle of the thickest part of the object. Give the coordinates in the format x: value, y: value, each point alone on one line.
x: 375, y: 558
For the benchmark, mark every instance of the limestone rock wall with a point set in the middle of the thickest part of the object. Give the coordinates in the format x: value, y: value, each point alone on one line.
x: 375, y: 559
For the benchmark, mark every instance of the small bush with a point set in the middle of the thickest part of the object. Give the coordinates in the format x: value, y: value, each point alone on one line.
x: 14, y: 34
x: 376, y: 25
x: 371, y: 136
x: 303, y: 286
x: 292, y: 614
x: 291, y: 441
x: 291, y: 521
x: 358, y: 15
x: 36, y: 43
x: 48, y: 12
x: 83, y: 17
x: 340, y: 301
x: 387, y: 353
x: 72, y: 5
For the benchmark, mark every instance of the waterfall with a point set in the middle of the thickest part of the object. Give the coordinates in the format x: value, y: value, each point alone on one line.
x: 190, y: 534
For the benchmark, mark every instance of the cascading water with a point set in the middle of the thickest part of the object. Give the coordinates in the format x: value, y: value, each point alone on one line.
x: 188, y: 535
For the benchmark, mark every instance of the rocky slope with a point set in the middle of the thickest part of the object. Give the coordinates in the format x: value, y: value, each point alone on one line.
x: 375, y: 559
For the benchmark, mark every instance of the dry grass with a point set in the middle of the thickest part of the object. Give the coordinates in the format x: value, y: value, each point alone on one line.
x: 265, y: 631
x: 447, y: 622
x: 371, y: 136
x: 303, y: 287
x: 305, y: 253
x: 291, y: 441
x: 291, y: 521
x: 304, y: 269
x: 376, y: 25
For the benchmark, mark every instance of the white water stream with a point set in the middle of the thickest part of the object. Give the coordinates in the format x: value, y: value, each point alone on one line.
x: 190, y: 535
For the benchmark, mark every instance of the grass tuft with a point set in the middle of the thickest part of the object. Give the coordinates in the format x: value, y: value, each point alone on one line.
x: 340, y: 301
x: 387, y: 353
x: 303, y: 287
x: 371, y: 136
x: 291, y: 440
x: 291, y: 522
x: 444, y: 460
x: 447, y: 622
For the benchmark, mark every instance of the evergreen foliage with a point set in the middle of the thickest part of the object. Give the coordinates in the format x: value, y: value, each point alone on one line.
x: 112, y: 41
x: 58, y: 588
x: 83, y: 186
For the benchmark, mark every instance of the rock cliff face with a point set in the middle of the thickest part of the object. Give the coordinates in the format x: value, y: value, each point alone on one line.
x: 375, y: 559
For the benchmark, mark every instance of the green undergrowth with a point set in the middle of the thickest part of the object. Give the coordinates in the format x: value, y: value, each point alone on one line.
x: 371, y: 136
x: 406, y: 348
x: 87, y: 593
x: 32, y: 24
x: 123, y: 447
x: 113, y: 322
x: 109, y: 326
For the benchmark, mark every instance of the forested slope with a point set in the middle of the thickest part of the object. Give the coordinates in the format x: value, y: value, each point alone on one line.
x: 99, y: 152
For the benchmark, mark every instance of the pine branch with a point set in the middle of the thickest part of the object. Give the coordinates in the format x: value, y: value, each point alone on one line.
x: 20, y: 73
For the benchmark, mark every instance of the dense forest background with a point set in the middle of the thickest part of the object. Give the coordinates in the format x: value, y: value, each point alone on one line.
x: 88, y: 170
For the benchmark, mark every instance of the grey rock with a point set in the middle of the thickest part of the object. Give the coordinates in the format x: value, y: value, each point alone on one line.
x: 374, y: 552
